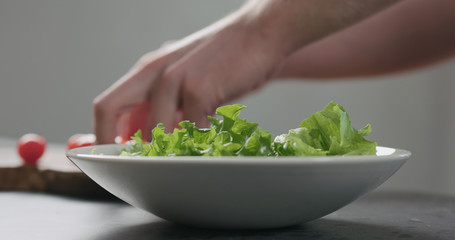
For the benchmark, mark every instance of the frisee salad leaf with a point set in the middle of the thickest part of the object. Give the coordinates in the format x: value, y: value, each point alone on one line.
x: 327, y: 132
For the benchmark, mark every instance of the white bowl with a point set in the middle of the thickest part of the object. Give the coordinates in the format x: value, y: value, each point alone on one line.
x: 237, y: 192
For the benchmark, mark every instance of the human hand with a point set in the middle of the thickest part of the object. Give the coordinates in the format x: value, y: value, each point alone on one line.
x: 191, y: 77
x: 187, y: 79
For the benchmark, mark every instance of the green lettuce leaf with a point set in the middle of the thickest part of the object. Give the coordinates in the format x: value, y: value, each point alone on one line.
x: 327, y: 132
x: 333, y: 130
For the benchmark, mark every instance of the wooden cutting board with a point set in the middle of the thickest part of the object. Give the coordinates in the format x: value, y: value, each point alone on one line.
x: 54, y: 174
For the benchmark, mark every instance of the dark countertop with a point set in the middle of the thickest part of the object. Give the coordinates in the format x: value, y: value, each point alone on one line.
x: 378, y: 215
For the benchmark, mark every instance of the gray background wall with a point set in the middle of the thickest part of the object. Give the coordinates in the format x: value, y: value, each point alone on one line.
x: 56, y: 56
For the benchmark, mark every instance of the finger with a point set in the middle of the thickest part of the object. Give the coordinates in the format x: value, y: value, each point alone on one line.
x: 195, y: 106
x: 178, y: 117
x: 194, y: 113
x: 136, y: 119
x: 104, y: 124
x: 163, y: 104
x: 123, y: 95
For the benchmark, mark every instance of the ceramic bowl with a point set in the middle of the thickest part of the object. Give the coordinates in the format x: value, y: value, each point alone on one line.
x: 237, y: 192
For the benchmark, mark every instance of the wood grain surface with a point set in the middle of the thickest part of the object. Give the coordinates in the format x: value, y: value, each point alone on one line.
x: 54, y: 174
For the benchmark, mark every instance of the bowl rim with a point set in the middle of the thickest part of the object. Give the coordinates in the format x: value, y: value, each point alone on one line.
x: 388, y: 155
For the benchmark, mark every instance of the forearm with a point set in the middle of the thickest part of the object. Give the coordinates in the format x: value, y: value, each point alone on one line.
x: 408, y: 35
x: 288, y: 25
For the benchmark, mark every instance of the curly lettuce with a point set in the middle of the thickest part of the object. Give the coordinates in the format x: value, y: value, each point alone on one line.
x: 327, y: 132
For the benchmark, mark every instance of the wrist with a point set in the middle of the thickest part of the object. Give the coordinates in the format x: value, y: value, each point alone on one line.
x: 275, y: 23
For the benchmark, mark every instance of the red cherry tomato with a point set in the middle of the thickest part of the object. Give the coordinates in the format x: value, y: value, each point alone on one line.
x: 80, y: 140
x: 31, y: 147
